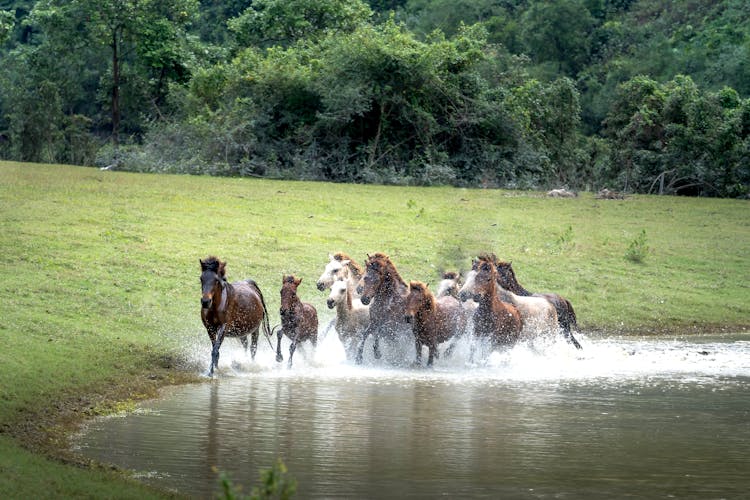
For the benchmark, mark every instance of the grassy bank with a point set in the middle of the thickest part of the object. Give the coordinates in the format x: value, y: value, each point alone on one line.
x: 100, y: 275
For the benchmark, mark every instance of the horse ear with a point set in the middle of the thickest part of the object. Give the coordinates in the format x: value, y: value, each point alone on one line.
x: 222, y: 269
x: 203, y: 266
x: 297, y: 281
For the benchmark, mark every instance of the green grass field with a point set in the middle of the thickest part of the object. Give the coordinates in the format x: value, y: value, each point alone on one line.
x: 101, y: 293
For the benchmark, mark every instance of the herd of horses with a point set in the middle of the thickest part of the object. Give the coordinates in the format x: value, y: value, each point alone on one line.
x: 488, y: 303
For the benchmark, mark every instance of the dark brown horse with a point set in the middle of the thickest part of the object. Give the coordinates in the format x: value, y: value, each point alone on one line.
x: 299, y: 320
x: 566, y: 316
x: 230, y: 309
x: 433, y: 320
x: 493, y: 319
x: 385, y: 291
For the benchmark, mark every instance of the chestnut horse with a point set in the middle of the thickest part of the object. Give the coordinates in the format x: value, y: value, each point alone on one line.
x: 230, y: 309
x: 434, y: 320
x: 352, y: 316
x: 382, y: 286
x: 493, y: 319
x: 340, y: 266
x: 299, y: 320
x: 566, y: 316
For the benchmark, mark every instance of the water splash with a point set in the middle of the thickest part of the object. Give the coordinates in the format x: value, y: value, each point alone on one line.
x: 550, y: 359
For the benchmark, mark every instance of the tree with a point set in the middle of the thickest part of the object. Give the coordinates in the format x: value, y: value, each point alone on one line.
x: 558, y: 32
x: 282, y: 22
x: 7, y: 20
x: 129, y: 29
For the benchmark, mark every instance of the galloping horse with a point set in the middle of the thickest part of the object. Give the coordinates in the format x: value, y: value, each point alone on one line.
x: 434, y: 320
x: 383, y: 286
x: 230, y: 309
x: 352, y: 316
x: 493, y: 319
x: 566, y: 316
x: 340, y: 266
x: 299, y: 320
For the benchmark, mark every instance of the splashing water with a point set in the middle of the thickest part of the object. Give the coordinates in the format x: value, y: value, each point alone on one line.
x: 545, y: 358
x: 643, y: 417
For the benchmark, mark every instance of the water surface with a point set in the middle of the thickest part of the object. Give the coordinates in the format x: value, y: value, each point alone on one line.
x: 624, y: 417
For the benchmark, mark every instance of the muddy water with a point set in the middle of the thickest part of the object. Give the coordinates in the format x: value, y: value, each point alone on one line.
x: 627, y: 417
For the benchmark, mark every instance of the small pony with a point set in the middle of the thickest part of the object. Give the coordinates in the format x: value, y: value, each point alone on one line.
x: 434, y: 320
x: 299, y: 320
x: 352, y: 316
x: 230, y: 309
x: 493, y: 319
x: 386, y: 289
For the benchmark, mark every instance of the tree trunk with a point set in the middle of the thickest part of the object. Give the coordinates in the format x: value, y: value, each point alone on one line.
x: 115, y: 89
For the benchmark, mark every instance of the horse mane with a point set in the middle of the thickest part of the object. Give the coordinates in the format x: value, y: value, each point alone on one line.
x: 490, y: 257
x: 385, y: 261
x: 355, y: 268
x: 212, y: 263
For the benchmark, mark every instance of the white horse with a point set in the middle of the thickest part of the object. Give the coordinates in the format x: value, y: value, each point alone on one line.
x: 538, y: 314
x: 449, y: 286
x: 352, y: 316
x: 340, y: 267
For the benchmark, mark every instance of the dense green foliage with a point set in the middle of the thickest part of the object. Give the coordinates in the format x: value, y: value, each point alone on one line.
x: 101, y: 291
x: 634, y: 95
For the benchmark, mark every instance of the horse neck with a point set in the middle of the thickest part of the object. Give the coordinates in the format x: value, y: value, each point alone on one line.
x: 514, y: 286
x: 393, y: 281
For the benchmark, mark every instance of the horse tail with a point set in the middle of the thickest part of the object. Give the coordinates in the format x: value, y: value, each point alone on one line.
x: 571, y: 323
x: 266, y: 322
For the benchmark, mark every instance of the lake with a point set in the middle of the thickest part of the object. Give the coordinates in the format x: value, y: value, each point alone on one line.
x: 624, y: 417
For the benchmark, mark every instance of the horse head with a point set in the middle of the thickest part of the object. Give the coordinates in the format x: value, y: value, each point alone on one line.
x: 505, y: 275
x: 213, y: 279
x: 336, y: 269
x: 376, y: 268
x: 480, y: 280
x: 419, y: 299
x: 338, y: 293
x: 289, y: 299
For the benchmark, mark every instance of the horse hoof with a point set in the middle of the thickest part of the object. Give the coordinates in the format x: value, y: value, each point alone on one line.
x: 279, y: 358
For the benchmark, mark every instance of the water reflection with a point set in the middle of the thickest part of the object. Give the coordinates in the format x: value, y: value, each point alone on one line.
x: 664, y: 421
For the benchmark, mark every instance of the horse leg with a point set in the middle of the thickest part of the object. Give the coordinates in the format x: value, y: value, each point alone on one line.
x: 292, y: 348
x: 243, y: 341
x: 432, y: 353
x: 376, y: 346
x: 361, y: 348
x: 215, y: 350
x: 254, y: 343
x: 418, y: 346
x: 279, y: 357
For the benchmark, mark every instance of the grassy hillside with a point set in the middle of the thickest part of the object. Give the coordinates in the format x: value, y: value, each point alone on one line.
x: 100, y: 271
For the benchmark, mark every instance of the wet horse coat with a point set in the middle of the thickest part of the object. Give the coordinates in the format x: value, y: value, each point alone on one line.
x: 566, y: 316
x: 434, y: 320
x: 299, y: 320
x: 383, y: 289
x: 352, y: 316
x: 493, y: 319
x: 230, y: 309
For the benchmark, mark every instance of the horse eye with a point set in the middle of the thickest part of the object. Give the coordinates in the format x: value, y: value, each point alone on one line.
x: 335, y: 271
